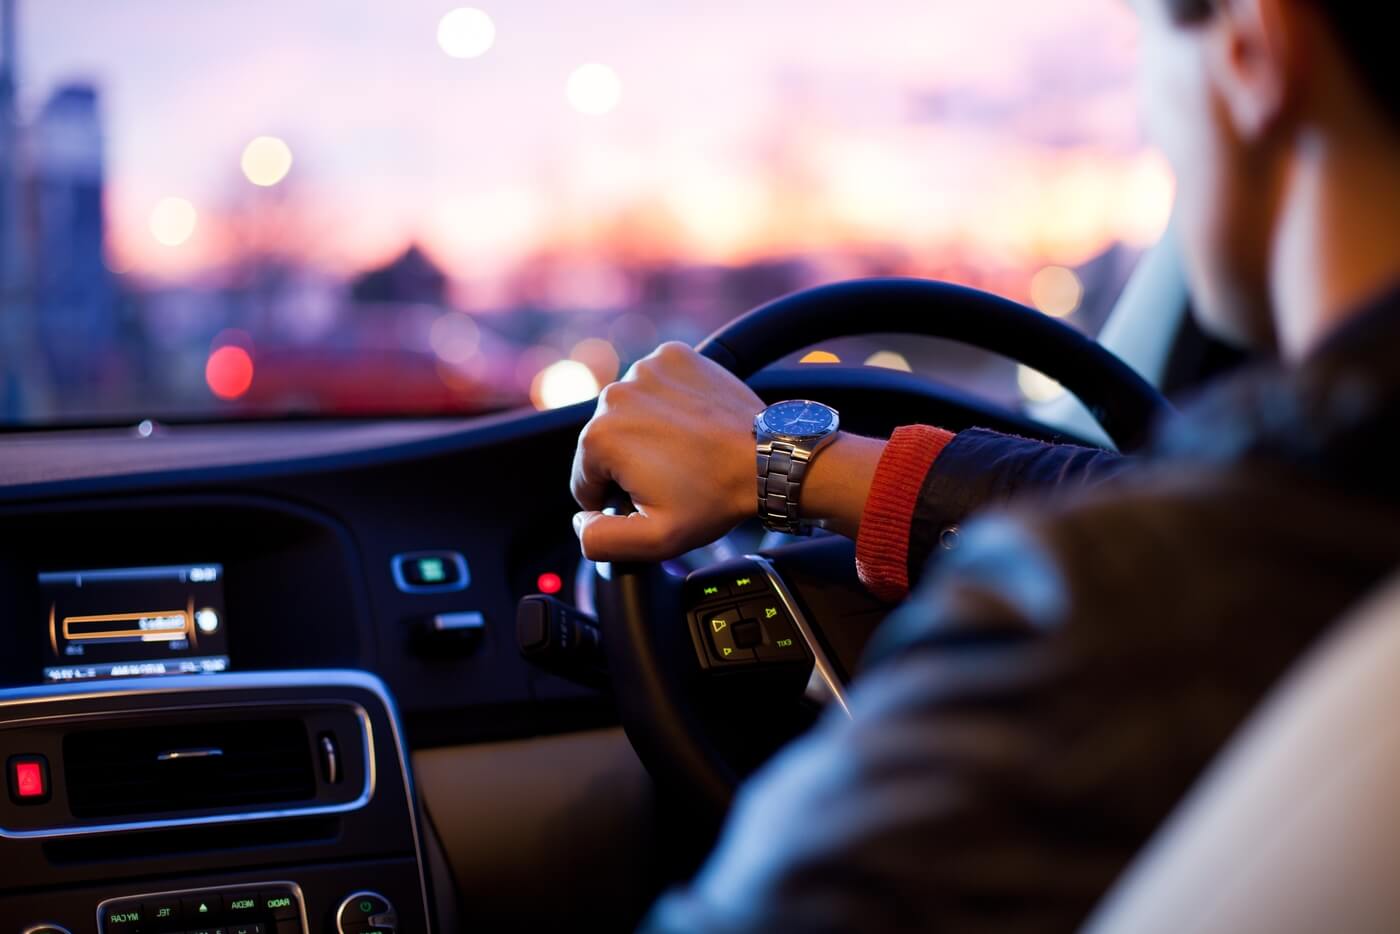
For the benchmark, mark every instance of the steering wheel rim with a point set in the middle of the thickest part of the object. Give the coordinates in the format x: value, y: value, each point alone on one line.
x: 1121, y: 401
x: 652, y: 667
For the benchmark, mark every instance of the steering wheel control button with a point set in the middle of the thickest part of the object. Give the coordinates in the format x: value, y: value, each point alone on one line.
x: 365, y: 912
x: 430, y: 571
x: 706, y: 589
x: 29, y: 779
x: 744, y: 585
x: 780, y: 639
x: 719, y: 631
x: 748, y: 634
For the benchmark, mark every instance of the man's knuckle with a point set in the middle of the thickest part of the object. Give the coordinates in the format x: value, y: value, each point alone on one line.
x: 673, y: 352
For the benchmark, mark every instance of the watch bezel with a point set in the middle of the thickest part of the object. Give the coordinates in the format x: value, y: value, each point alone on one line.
x: 763, y: 429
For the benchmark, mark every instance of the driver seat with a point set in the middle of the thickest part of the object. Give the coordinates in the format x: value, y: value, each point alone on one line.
x: 1296, y: 827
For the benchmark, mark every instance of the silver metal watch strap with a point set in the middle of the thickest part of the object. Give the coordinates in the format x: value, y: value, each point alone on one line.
x: 781, y: 469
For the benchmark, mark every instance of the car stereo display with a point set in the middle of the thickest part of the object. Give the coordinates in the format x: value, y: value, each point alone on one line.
x: 134, y: 622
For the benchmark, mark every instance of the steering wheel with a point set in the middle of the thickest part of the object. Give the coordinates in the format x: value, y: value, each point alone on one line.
x: 708, y: 673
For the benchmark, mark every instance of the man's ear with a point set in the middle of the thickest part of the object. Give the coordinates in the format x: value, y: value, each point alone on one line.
x: 1256, y: 62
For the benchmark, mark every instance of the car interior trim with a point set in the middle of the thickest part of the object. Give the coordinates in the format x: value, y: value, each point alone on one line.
x: 366, y: 794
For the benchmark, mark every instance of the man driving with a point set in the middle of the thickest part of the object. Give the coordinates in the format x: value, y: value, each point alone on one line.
x: 1099, y: 626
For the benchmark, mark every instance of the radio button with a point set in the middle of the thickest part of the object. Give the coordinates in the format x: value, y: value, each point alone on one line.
x: 281, y: 903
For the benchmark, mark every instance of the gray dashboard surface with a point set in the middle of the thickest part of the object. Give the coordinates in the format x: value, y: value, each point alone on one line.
x: 44, y: 457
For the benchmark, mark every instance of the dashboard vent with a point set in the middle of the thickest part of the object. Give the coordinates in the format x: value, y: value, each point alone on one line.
x: 213, y: 765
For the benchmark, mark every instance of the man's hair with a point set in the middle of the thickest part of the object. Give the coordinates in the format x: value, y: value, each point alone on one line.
x: 1359, y: 30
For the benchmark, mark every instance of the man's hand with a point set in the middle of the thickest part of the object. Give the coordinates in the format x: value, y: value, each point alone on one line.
x: 677, y: 435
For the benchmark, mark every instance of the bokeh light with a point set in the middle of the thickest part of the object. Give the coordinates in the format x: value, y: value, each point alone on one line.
x: 562, y: 383
x: 889, y: 360
x: 594, y: 89
x: 1056, y: 291
x: 229, y: 372
x: 600, y: 358
x: 1035, y: 386
x: 466, y: 32
x: 454, y: 337
x: 266, y: 161
x: 173, y: 221
x: 819, y: 356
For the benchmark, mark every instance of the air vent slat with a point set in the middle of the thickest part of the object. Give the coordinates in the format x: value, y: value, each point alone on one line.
x: 122, y: 772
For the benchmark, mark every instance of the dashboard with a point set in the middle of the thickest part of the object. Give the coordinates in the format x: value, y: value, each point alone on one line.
x: 180, y: 603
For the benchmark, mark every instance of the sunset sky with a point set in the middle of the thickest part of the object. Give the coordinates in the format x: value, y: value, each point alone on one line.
x: 744, y: 128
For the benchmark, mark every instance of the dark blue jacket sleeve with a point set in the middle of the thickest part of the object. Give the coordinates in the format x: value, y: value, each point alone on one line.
x: 981, y: 468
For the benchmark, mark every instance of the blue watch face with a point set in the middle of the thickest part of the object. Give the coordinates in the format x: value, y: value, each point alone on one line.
x: 799, y: 418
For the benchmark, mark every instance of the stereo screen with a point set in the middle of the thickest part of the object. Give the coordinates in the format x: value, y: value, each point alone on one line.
x: 134, y: 622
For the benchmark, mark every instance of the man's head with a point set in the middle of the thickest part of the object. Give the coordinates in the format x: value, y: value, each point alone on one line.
x: 1243, y: 97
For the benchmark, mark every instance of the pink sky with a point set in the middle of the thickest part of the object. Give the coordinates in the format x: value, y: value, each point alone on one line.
x: 746, y: 127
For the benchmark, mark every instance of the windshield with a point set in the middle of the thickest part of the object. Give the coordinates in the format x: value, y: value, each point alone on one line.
x: 247, y: 207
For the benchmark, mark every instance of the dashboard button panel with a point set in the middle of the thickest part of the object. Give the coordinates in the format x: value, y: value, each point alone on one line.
x: 272, y: 908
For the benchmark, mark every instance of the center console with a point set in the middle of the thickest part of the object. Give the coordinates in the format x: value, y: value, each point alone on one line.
x: 238, y: 802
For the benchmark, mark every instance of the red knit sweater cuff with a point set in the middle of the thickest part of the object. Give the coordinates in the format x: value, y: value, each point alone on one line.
x: 882, y: 546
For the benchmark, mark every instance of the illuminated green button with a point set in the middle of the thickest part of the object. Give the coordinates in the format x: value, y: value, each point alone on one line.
x: 431, y: 570
x: 719, y: 631
x: 122, y: 918
x: 200, y: 907
x: 241, y: 903
x: 161, y: 909
x: 281, y: 903
x: 706, y: 589
x: 745, y: 584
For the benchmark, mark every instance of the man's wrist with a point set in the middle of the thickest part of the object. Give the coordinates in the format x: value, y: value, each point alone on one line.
x: 838, y: 482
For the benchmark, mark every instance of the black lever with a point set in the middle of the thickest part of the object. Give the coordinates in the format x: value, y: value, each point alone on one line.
x: 561, y: 640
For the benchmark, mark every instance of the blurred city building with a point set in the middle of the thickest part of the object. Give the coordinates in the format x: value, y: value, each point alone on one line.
x: 74, y: 301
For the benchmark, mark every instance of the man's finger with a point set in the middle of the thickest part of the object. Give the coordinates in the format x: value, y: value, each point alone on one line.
x: 633, y: 537
x: 590, y: 479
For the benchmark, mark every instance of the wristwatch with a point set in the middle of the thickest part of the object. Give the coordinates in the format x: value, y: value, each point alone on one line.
x: 789, y: 434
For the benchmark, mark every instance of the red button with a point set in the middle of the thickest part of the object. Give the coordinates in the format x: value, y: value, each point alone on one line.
x: 29, y: 779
